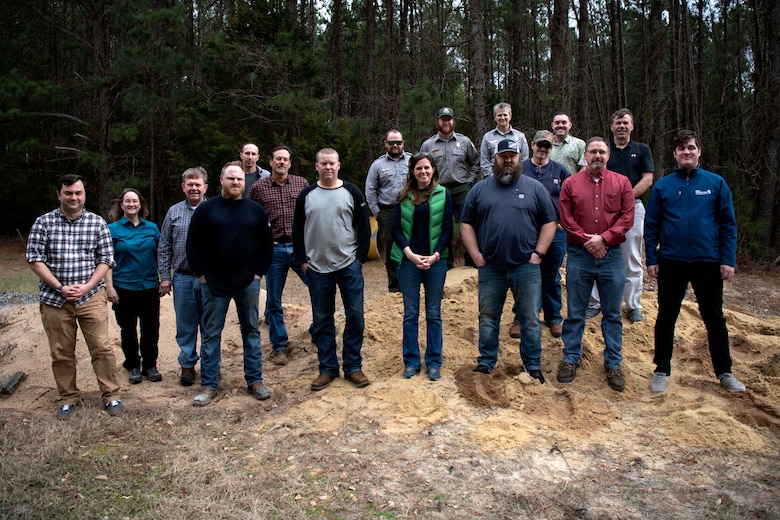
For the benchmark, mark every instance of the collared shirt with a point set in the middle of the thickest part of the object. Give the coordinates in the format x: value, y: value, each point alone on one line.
x: 253, y: 177
x: 457, y: 159
x: 135, y: 253
x: 385, y: 180
x: 605, y: 208
x: 632, y: 161
x: 278, y: 200
x: 570, y: 153
x: 551, y: 175
x: 71, y: 249
x: 172, y: 253
x: 488, y: 148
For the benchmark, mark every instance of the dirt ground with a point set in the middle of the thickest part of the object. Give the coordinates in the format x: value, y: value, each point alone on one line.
x: 697, y: 449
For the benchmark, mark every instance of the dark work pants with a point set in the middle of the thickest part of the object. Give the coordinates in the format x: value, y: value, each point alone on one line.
x: 384, y: 242
x: 135, y: 306
x: 705, y: 278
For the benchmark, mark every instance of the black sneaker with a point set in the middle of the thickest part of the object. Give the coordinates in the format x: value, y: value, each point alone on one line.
x: 536, y: 374
x: 483, y: 369
x: 135, y: 376
x: 65, y: 411
x: 152, y: 374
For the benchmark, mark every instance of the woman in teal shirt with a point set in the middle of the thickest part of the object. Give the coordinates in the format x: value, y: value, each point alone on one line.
x: 133, y: 285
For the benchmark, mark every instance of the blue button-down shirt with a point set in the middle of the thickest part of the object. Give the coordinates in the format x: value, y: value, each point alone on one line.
x: 135, y: 252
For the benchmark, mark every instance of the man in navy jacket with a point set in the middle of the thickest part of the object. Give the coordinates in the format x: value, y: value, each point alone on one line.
x: 691, y: 236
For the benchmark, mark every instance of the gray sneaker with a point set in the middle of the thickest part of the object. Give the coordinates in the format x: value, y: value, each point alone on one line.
x: 635, y: 315
x: 592, y: 312
x: 660, y: 380
x: 731, y: 383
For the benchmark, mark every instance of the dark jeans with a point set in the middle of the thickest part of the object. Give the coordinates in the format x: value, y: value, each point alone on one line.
x: 135, y: 306
x: 552, y: 298
x: 410, y: 278
x: 673, y: 278
x: 384, y: 242
x: 322, y: 290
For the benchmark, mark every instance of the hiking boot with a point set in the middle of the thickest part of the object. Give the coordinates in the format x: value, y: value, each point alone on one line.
x: 635, y: 315
x: 731, y: 383
x: 659, y: 383
x: 566, y: 372
x: 152, y: 374
x: 514, y: 330
x: 483, y: 369
x: 615, y: 379
x: 135, y: 376
x: 358, y: 379
x: 556, y: 329
x: 434, y: 373
x: 410, y: 372
x: 279, y: 357
x: 259, y: 391
x: 592, y: 312
x: 322, y: 381
x: 187, y: 376
x: 65, y: 411
x: 536, y: 374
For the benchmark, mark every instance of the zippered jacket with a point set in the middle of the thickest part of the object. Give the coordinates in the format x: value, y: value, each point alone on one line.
x: 690, y: 218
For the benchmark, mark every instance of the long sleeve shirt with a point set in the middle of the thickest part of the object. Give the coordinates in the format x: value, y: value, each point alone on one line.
x: 71, y: 249
x: 487, y: 149
x: 278, y: 201
x: 603, y: 208
x: 172, y: 251
x: 135, y: 252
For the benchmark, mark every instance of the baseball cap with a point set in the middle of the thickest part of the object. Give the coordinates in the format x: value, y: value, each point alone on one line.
x: 446, y: 112
x: 507, y: 146
x: 543, y: 135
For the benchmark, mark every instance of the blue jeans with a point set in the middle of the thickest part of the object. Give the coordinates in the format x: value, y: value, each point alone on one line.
x: 525, y: 283
x: 322, y: 290
x: 275, y: 279
x: 189, y: 316
x: 609, y: 274
x: 410, y: 278
x: 551, y: 301
x: 214, y: 313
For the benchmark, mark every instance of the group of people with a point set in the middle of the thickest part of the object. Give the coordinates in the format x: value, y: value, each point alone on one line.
x: 518, y: 209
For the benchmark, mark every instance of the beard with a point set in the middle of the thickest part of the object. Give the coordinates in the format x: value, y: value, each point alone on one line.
x: 506, y: 175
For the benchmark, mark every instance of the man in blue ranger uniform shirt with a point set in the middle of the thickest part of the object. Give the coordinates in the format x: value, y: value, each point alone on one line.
x: 691, y: 236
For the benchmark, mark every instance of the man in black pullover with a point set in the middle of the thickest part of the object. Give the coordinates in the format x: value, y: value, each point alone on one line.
x: 229, y: 246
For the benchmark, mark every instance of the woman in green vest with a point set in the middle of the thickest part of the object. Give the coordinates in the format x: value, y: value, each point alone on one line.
x: 422, y: 229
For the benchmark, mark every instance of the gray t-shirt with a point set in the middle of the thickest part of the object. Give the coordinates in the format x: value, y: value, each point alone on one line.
x: 330, y: 238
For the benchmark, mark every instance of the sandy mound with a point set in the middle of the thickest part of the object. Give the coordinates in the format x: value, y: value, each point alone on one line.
x: 500, y: 411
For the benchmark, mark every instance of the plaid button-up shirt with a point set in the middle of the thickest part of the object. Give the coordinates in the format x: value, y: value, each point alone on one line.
x: 71, y: 249
x: 278, y: 200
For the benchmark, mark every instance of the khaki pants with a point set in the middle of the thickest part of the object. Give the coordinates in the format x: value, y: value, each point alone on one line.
x: 60, y: 324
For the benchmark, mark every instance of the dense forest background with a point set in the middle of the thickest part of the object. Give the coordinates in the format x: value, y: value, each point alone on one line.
x: 132, y: 92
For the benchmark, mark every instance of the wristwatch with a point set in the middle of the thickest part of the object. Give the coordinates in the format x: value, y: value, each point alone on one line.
x: 59, y: 289
x: 539, y: 254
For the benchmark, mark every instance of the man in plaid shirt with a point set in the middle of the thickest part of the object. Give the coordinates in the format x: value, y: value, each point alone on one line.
x: 277, y: 194
x: 70, y: 250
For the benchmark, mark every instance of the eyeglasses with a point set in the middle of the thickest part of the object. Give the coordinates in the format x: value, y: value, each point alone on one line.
x: 394, y: 143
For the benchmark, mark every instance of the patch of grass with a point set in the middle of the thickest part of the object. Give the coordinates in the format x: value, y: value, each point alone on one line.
x: 15, y: 275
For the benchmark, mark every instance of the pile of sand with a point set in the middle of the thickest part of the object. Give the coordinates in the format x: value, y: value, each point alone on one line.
x: 500, y: 411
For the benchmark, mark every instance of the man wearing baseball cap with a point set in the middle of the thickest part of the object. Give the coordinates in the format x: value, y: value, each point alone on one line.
x: 456, y: 159
x: 507, y: 223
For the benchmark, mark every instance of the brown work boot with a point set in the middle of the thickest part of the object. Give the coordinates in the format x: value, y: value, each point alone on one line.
x: 358, y: 379
x: 279, y: 357
x: 556, y: 329
x: 322, y: 381
x: 615, y: 379
x: 514, y: 330
x: 567, y: 372
x: 187, y: 376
